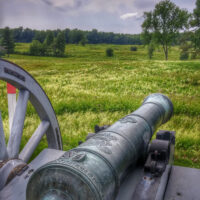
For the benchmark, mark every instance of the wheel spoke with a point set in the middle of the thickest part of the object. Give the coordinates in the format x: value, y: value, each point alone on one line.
x: 25, y: 83
x: 18, y: 124
x: 11, y: 108
x: 33, y: 142
x: 3, y: 150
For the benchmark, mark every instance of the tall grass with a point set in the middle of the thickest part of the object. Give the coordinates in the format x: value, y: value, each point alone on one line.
x: 88, y: 88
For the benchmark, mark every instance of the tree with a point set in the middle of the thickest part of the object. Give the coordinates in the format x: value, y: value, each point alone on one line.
x: 151, y: 49
x: 40, y: 36
x: 2, y: 51
x: 83, y: 41
x: 48, y: 43
x: 196, y: 15
x: 17, y: 34
x: 48, y: 48
x: 7, y: 41
x: 195, y: 23
x: 49, y: 38
x: 164, y: 23
x: 93, y: 36
x: 67, y: 34
x: 185, y: 45
x: 75, y: 36
x: 59, y: 44
x: 37, y: 48
x: 27, y: 35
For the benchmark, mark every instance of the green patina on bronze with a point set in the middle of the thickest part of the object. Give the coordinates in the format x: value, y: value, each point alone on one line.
x: 94, y: 170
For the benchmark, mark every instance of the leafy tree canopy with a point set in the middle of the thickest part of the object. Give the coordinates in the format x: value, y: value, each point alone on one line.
x: 49, y: 38
x: 7, y: 41
x: 59, y: 44
x: 195, y: 23
x: 164, y: 23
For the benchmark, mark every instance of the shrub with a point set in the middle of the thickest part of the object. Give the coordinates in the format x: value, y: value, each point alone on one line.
x: 193, y: 55
x: 133, y: 48
x: 184, y: 55
x: 37, y: 48
x: 83, y: 41
x: 109, y: 52
x: 185, y: 48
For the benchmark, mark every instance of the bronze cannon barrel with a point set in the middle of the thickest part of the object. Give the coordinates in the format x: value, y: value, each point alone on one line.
x: 94, y: 169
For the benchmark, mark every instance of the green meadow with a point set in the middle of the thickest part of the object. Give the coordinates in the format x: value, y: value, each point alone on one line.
x: 87, y: 88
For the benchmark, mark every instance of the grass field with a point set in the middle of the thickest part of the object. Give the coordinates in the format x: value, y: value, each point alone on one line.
x: 87, y: 88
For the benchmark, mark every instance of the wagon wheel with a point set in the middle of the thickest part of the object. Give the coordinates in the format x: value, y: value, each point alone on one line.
x: 29, y: 90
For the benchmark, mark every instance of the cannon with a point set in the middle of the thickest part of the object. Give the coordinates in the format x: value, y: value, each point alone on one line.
x: 116, y: 162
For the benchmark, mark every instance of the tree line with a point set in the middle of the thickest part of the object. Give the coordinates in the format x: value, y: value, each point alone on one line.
x: 75, y: 36
x: 52, y: 42
x: 165, y: 26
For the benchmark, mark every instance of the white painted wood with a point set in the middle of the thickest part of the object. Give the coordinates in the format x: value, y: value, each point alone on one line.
x: 33, y: 142
x: 18, y: 124
x: 3, y: 149
x: 11, y: 108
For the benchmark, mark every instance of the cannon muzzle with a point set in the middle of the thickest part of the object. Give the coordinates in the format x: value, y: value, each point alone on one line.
x: 94, y: 169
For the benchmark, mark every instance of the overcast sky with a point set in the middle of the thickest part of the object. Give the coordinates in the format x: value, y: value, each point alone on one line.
x: 120, y: 16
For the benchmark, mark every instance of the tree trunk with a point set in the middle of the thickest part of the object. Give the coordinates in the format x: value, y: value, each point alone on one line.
x: 165, y: 49
x: 166, y: 54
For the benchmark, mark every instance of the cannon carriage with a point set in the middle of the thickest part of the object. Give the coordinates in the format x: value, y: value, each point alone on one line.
x: 117, y: 162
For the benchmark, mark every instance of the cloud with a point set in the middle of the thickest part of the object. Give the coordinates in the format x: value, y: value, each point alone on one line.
x: 1, y: 14
x: 145, y: 4
x: 49, y: 3
x: 129, y: 15
x: 63, y: 3
x: 111, y: 6
x: 104, y: 15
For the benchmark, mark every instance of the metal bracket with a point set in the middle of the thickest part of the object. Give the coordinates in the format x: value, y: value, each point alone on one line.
x: 157, y: 167
x: 159, y: 152
x: 97, y: 129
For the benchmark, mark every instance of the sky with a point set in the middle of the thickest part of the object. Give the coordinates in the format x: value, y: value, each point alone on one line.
x: 119, y: 16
